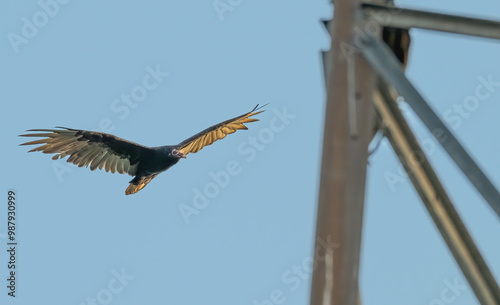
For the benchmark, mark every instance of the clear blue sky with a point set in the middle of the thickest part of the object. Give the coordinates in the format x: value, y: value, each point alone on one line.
x: 81, y: 238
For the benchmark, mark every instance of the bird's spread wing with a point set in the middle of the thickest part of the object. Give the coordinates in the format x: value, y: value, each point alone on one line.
x: 84, y: 148
x: 217, y: 132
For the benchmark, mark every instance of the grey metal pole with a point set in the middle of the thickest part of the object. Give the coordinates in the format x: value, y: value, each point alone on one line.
x: 347, y: 132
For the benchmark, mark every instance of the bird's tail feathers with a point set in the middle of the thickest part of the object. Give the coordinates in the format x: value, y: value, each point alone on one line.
x: 138, y: 183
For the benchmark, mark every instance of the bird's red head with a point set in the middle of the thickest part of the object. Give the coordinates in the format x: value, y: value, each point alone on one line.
x: 177, y: 153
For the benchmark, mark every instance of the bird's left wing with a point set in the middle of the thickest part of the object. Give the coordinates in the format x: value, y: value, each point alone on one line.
x: 217, y: 132
x: 84, y: 148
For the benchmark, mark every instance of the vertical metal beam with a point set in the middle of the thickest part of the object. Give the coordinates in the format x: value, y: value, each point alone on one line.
x: 436, y: 200
x: 347, y: 132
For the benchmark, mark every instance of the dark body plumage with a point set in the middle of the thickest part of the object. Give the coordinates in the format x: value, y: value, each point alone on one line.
x: 153, y: 161
x: 113, y: 154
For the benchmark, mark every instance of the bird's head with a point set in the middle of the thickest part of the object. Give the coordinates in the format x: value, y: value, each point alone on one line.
x: 177, y: 153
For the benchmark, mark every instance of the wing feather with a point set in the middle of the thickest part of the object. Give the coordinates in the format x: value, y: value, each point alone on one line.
x: 126, y: 167
x: 92, y: 156
x: 80, y: 161
x: 120, y: 167
x: 104, y: 160
x: 57, y: 146
x: 112, y: 164
x: 107, y: 164
x: 97, y: 161
x: 217, y: 132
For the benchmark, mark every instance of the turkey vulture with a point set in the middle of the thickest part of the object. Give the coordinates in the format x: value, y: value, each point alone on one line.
x: 101, y: 150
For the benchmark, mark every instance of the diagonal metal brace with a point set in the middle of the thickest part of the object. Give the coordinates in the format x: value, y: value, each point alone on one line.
x: 435, y: 198
x: 386, y: 65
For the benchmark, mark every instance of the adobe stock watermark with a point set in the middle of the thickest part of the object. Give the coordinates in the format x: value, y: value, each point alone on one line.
x: 298, y: 274
x: 223, y: 7
x: 449, y: 293
x: 31, y: 26
x: 249, y: 149
x: 121, y: 107
x: 454, y: 116
x: 461, y: 111
x: 115, y: 286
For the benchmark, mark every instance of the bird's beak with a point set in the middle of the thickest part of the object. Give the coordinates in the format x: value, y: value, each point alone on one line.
x: 178, y: 154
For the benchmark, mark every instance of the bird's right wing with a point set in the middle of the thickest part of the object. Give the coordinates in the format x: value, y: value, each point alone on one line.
x: 84, y: 148
x: 217, y: 132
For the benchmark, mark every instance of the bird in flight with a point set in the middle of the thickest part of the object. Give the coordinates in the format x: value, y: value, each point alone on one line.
x: 102, y: 150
